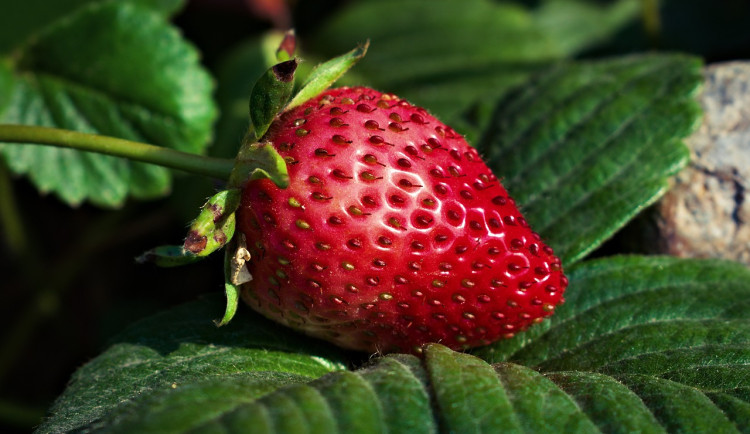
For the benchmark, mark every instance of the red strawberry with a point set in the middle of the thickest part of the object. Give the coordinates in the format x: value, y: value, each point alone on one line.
x: 392, y: 233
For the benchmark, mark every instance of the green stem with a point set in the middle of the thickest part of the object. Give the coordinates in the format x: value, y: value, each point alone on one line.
x: 192, y: 163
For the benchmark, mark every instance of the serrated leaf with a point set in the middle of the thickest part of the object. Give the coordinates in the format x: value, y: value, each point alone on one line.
x: 460, y: 51
x: 469, y: 394
x: 134, y: 77
x: 183, y: 347
x: 388, y: 396
x: 539, y: 404
x: 585, y: 147
x: 674, y: 332
x: 680, y: 408
x: 611, y: 405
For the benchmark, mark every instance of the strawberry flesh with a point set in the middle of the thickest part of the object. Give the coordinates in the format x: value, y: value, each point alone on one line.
x: 392, y: 233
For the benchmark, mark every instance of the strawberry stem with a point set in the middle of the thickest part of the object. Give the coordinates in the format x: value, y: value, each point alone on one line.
x: 158, y: 155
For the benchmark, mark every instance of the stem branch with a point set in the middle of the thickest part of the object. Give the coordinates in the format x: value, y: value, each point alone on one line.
x: 192, y: 163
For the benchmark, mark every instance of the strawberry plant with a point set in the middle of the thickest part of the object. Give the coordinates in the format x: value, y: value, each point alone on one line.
x: 420, y: 239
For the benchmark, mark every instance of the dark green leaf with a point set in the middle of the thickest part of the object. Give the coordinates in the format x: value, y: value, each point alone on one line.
x: 583, y: 148
x: 468, y: 393
x: 389, y: 396
x: 539, y: 404
x: 674, y: 332
x: 458, y: 51
x: 611, y: 296
x: 680, y: 408
x: 172, y: 408
x: 183, y: 347
x: 611, y: 406
x: 577, y: 25
x: 133, y: 76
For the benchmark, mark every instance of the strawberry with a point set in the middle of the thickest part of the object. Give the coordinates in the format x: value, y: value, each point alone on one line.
x: 392, y: 233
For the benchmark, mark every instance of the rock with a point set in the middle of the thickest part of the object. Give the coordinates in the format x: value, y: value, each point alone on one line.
x: 707, y: 214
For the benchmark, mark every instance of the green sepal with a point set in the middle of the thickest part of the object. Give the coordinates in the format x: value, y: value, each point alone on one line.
x: 269, y: 95
x: 168, y: 256
x: 325, y: 74
x: 235, y: 274
x: 215, y: 224
x: 258, y: 161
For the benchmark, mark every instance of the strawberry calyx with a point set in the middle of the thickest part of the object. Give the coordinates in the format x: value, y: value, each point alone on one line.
x: 214, y: 228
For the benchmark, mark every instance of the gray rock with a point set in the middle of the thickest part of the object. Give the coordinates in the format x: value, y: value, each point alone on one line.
x: 707, y: 214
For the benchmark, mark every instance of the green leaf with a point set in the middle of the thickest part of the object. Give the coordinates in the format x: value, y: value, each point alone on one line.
x: 539, y: 404
x: 578, y: 25
x: 611, y: 406
x: 584, y: 147
x: 469, y: 394
x: 642, y: 344
x: 134, y: 77
x: 461, y: 51
x: 680, y: 408
x: 325, y: 74
x: 180, y: 361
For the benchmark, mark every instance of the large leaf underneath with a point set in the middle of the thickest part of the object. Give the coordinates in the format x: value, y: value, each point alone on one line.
x: 181, y: 355
x: 444, y: 55
x: 641, y: 345
x: 113, y: 69
x: 584, y: 147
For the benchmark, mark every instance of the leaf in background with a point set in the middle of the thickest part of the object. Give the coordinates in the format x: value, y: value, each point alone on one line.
x: 459, y: 51
x: 583, y: 148
x: 648, y: 344
x: 578, y: 25
x: 182, y: 355
x: 20, y: 20
x: 113, y: 69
